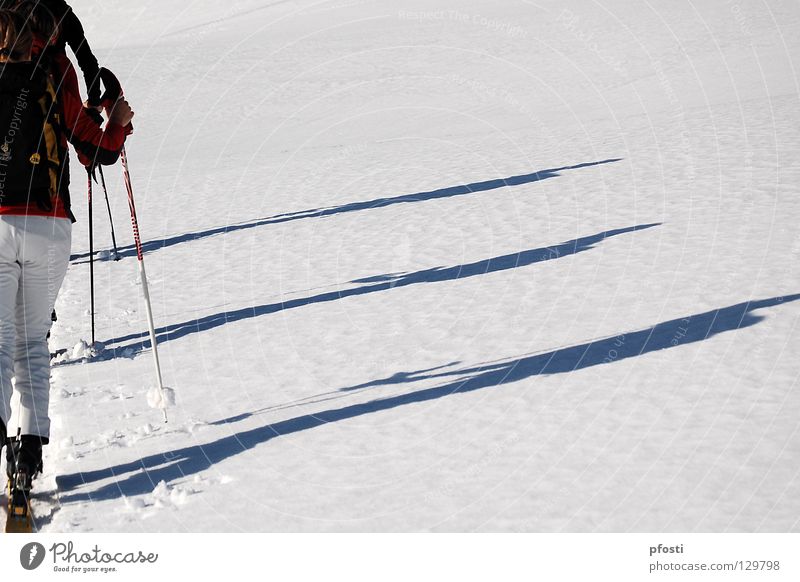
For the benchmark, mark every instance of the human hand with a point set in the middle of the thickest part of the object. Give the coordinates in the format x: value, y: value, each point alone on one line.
x: 120, y: 113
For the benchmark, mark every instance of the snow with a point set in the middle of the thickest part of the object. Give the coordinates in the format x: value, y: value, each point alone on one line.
x: 441, y: 266
x: 160, y: 397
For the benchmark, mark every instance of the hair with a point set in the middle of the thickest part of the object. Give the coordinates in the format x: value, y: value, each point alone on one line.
x: 16, y: 37
x: 39, y: 17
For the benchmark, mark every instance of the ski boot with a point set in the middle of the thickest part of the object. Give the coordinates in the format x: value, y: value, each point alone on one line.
x: 23, y: 463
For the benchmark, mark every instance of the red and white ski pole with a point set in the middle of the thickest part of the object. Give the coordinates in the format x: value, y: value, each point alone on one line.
x: 145, y: 290
x: 165, y: 395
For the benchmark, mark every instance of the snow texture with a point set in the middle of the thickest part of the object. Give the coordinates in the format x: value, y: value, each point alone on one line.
x: 160, y: 397
x: 441, y: 266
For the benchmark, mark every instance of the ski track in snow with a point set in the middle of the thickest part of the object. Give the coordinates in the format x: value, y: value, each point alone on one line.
x: 444, y: 267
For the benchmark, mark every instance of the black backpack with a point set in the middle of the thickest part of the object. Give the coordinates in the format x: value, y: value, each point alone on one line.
x: 29, y: 137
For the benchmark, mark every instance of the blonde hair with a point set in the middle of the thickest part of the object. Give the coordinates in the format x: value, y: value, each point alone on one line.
x: 16, y: 37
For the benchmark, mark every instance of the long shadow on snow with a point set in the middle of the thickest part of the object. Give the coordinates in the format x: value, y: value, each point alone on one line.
x: 154, y: 245
x: 177, y: 464
x: 377, y: 283
x: 319, y: 398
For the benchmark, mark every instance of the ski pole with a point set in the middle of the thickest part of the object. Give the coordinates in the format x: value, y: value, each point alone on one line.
x: 137, y: 240
x: 114, y: 93
x: 91, y: 254
x: 110, y: 218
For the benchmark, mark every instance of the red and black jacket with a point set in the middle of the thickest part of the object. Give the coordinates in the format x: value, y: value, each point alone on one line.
x: 94, y: 145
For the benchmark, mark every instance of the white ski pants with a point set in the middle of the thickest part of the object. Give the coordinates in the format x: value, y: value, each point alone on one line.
x: 34, y: 255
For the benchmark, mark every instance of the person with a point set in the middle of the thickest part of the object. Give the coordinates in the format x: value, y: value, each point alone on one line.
x: 35, y: 217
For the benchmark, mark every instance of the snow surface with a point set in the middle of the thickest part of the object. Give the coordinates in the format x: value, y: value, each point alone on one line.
x: 441, y: 265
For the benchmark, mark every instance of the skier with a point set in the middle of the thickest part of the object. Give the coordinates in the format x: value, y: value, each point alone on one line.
x: 36, y: 121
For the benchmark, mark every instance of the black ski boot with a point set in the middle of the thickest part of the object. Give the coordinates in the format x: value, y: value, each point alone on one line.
x: 24, y: 460
x: 23, y: 463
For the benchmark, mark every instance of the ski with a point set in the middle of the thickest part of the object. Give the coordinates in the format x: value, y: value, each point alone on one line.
x: 19, y: 518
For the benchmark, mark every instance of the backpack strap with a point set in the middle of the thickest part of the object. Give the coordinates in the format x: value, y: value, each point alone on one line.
x: 49, y: 105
